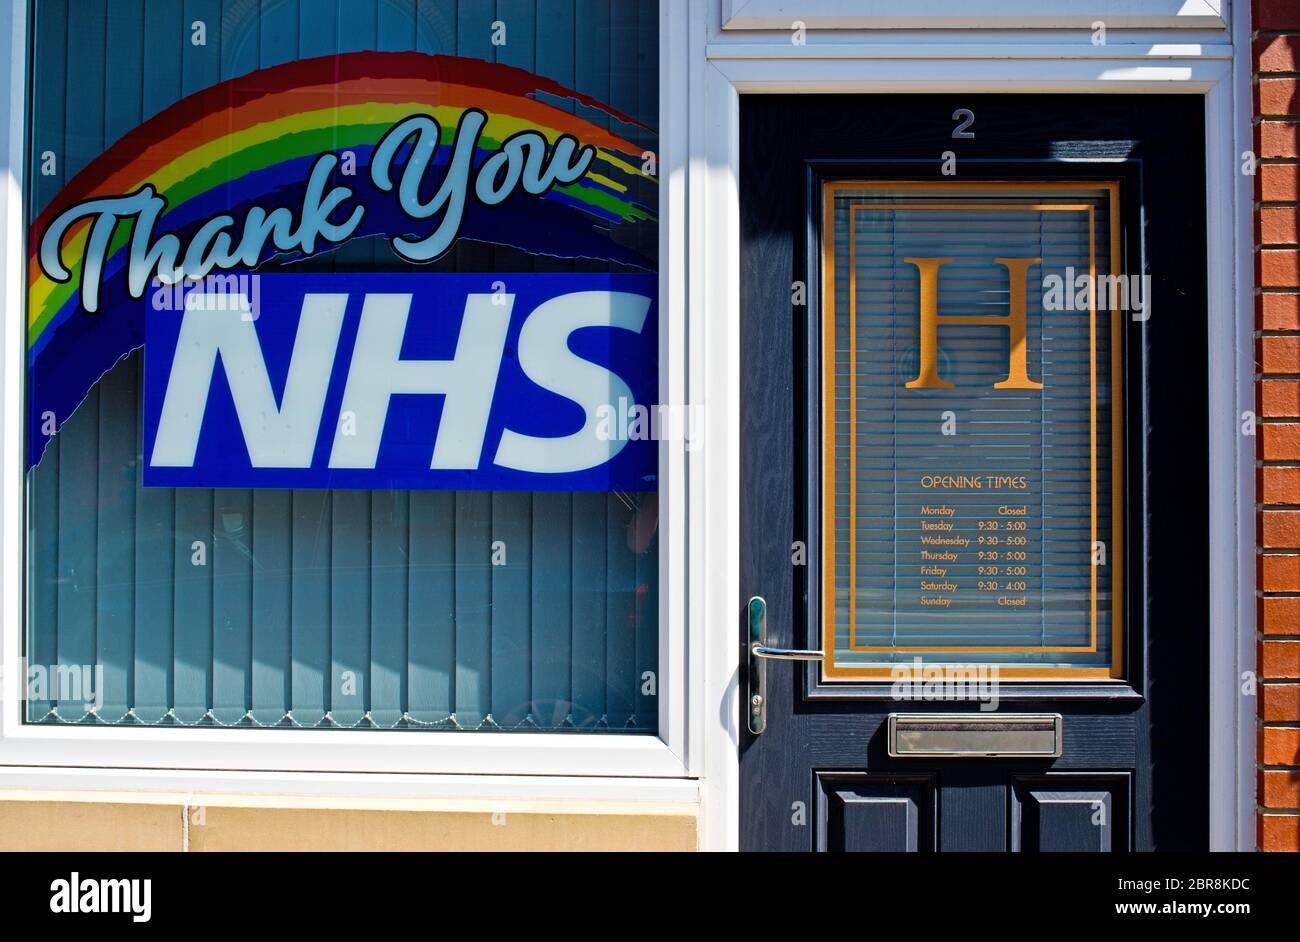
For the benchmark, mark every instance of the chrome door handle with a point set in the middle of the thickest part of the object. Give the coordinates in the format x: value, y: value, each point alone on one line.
x: 759, y: 654
x: 786, y: 654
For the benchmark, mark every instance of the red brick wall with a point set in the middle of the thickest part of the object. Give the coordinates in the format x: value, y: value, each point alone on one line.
x: 1277, y: 313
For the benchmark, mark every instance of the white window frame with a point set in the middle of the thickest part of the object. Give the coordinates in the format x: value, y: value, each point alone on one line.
x: 53, y: 755
x: 724, y: 64
x: 973, y: 14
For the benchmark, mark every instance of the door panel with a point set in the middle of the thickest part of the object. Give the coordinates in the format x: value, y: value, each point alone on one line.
x: 1070, y: 813
x: 859, y: 812
x: 1132, y: 769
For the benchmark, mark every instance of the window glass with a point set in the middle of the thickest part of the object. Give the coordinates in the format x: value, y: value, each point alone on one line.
x: 971, y: 359
x: 341, y: 317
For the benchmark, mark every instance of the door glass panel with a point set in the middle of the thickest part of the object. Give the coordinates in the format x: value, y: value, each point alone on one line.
x: 972, y: 427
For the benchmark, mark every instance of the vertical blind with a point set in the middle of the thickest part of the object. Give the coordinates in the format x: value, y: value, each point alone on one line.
x: 897, y: 436
x: 422, y: 609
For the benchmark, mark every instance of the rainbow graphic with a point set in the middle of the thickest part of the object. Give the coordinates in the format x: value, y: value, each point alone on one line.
x: 251, y: 142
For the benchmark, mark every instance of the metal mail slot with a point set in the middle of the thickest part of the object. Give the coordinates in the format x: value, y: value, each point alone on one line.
x: 973, y: 734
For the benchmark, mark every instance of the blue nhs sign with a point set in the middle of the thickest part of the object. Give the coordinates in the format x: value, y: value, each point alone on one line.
x: 410, y: 381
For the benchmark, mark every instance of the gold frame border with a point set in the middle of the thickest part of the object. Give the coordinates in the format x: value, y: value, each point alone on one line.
x: 830, y: 191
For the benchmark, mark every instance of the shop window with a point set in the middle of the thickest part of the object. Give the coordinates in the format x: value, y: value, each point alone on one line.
x: 242, y: 507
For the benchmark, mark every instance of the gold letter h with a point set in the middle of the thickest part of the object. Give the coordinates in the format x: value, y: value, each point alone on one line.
x: 1017, y: 374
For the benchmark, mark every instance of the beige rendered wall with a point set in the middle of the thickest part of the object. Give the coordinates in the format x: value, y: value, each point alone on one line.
x: 64, y: 821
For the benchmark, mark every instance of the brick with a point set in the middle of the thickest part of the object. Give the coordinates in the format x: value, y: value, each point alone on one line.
x: 1279, y: 659
x: 1279, y: 183
x: 1280, y: 442
x: 1279, y: 788
x: 1275, y: 14
x: 1277, y: 53
x: 1280, y: 529
x: 1279, y: 268
x: 1278, y: 485
x: 1278, y: 225
x: 1278, y: 139
x: 1279, y: 573
x: 1279, y: 354
x: 1279, y: 398
x: 1279, y: 616
x: 1279, y: 703
x: 1277, y: 96
x: 1279, y: 833
x: 1278, y: 311
x: 1280, y: 745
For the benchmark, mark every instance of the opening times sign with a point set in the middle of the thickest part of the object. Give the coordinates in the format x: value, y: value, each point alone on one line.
x: 947, y: 544
x: 970, y: 424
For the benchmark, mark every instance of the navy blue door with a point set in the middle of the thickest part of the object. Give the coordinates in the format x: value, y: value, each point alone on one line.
x: 974, y: 473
